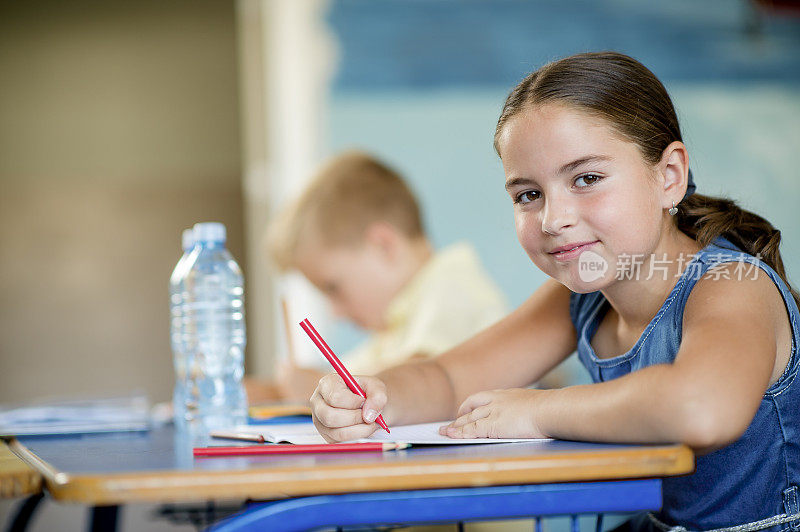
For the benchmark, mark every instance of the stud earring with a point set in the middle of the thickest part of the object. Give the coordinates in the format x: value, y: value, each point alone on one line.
x: 673, y: 210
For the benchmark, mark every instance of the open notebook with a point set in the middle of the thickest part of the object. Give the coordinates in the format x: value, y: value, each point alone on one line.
x: 421, y: 434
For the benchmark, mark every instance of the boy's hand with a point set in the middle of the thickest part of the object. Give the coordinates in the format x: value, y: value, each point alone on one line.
x: 497, y: 414
x: 296, y: 383
x: 341, y: 415
x: 260, y: 391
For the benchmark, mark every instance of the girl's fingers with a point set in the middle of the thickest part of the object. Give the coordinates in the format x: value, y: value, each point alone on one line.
x: 341, y: 415
x: 471, y: 417
x: 376, y: 397
x: 474, y: 401
x: 338, y: 417
x: 471, y: 410
x: 353, y: 432
x: 475, y: 429
x: 322, y: 414
x: 334, y: 391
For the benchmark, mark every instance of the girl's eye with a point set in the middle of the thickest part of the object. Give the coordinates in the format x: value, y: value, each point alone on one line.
x: 588, y: 180
x: 527, y: 196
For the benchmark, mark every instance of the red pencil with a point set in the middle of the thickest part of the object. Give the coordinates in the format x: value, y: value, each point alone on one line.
x: 295, y: 449
x: 328, y: 353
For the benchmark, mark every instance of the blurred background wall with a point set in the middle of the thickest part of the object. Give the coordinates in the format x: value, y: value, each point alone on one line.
x: 423, y: 87
x: 119, y: 127
x: 123, y: 122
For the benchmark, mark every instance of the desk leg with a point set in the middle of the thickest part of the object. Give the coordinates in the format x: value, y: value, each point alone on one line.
x: 104, y: 519
x: 26, y: 510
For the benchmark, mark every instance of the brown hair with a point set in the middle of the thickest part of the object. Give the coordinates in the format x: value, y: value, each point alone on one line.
x: 349, y: 193
x: 622, y: 91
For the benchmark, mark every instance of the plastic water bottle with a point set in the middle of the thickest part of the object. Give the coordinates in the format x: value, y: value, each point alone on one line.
x: 214, y: 330
x: 176, y: 290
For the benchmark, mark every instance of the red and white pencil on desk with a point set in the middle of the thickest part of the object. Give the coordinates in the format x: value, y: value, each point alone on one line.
x: 297, y: 449
x: 327, y: 352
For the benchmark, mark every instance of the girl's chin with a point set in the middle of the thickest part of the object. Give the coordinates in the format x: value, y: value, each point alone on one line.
x: 583, y: 284
x: 584, y: 288
x: 588, y: 274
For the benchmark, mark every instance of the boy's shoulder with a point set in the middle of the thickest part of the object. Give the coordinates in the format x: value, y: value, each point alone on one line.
x: 452, y: 282
x: 457, y: 267
x: 443, y: 267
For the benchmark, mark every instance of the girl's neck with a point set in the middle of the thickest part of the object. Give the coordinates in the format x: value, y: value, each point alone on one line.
x: 637, y: 298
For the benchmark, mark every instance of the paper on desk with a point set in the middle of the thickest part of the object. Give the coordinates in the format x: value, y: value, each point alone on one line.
x: 428, y: 434
x: 420, y: 434
x: 70, y: 416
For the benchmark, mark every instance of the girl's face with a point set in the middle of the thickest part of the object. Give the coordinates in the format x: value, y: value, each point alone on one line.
x: 585, y: 201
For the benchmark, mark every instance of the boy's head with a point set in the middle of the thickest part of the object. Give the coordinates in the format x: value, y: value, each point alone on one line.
x: 356, y: 233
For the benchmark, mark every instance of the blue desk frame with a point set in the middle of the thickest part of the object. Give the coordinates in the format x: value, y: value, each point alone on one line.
x: 448, y: 505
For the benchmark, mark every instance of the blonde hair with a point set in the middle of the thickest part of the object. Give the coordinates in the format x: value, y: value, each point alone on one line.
x: 348, y: 194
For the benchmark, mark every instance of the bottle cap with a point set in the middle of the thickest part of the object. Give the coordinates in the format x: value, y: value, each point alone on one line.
x: 187, y: 239
x: 209, y: 232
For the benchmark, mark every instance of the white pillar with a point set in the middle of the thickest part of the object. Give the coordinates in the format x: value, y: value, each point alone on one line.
x: 286, y: 63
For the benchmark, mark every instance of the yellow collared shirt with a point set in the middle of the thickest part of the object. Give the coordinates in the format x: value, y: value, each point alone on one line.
x: 449, y: 300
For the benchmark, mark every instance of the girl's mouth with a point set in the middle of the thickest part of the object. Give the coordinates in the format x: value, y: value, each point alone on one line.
x: 571, y: 251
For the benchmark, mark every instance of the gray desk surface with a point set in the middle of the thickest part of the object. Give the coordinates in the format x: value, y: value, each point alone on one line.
x: 158, y: 466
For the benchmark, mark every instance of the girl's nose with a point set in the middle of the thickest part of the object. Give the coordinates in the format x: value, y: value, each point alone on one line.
x: 557, y: 216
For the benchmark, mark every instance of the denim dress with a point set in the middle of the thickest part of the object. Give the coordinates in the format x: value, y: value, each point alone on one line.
x: 754, y: 480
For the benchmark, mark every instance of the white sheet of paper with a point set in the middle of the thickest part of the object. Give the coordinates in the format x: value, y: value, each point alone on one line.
x: 428, y: 434
x: 420, y: 434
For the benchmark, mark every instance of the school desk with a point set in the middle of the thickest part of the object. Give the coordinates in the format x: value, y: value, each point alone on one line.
x: 17, y: 478
x: 103, y: 471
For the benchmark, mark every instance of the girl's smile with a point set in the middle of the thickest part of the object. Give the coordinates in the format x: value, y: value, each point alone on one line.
x: 571, y: 251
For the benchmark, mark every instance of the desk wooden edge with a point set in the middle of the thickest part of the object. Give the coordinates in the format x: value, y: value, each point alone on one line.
x: 275, y: 483
x: 17, y: 478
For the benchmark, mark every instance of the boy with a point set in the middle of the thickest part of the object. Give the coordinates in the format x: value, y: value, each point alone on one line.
x: 356, y: 233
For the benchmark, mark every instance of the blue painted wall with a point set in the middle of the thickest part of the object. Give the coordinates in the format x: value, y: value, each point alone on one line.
x: 422, y: 83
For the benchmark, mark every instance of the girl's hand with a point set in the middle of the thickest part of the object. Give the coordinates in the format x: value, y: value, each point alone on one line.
x: 341, y: 415
x: 497, y: 414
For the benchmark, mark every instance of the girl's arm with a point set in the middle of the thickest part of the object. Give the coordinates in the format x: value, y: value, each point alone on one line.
x: 515, y: 351
x: 706, y: 398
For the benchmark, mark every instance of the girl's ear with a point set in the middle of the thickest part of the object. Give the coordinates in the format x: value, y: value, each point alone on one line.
x: 674, y: 171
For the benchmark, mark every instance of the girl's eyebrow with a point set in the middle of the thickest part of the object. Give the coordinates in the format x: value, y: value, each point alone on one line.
x: 569, y: 167
x: 514, y: 181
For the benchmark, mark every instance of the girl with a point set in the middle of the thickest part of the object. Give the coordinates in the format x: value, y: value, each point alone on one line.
x: 677, y: 303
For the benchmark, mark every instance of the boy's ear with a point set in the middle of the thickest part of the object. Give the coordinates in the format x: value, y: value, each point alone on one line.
x: 384, y: 236
x: 674, y: 171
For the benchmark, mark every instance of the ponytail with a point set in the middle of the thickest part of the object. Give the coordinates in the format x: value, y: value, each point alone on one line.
x: 704, y: 218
